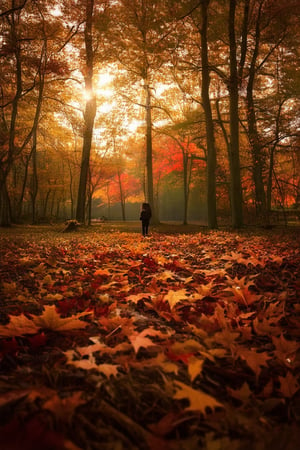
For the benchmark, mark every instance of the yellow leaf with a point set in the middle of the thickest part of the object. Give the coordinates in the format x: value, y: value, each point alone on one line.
x: 195, y: 367
x: 199, y: 400
x: 164, y: 276
x: 205, y: 289
x: 174, y: 297
x: 51, y: 320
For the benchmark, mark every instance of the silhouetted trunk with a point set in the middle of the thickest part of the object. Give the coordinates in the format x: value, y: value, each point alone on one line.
x: 210, y: 140
x: 71, y: 191
x: 34, y: 182
x: 46, y: 203
x: 21, y: 198
x: 255, y: 144
x: 5, y: 216
x: 234, y: 149
x: 149, y: 157
x: 5, y: 211
x: 89, y: 114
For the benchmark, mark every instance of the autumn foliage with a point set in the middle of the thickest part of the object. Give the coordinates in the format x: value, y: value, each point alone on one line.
x: 186, y: 341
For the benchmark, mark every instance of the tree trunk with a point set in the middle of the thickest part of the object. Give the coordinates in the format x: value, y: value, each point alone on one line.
x: 254, y: 140
x: 149, y: 157
x: 5, y: 216
x: 89, y: 114
x: 122, y: 197
x: 5, y: 210
x: 234, y: 150
x: 210, y: 140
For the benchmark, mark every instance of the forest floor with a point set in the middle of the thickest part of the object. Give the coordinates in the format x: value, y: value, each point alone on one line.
x: 187, y: 339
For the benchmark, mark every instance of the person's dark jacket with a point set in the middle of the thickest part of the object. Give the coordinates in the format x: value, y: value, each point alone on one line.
x: 145, y: 215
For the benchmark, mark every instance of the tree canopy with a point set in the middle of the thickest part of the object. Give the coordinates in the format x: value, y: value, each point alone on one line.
x: 106, y: 104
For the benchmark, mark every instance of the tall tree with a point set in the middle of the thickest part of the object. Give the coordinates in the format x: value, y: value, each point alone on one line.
x: 210, y: 139
x: 234, y: 147
x: 89, y: 113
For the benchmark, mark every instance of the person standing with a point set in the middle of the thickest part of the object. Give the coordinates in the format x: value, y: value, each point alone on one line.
x: 145, y: 217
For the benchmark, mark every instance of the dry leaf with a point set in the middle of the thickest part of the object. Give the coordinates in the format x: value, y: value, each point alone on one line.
x: 199, y: 400
x: 51, y: 320
x: 64, y: 408
x: 18, y: 326
x: 174, y: 297
x: 195, y: 366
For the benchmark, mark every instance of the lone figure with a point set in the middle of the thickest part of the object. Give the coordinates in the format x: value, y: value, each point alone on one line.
x: 145, y: 218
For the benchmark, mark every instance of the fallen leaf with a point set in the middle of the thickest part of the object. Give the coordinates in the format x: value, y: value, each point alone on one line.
x: 18, y: 326
x: 195, y: 366
x: 174, y: 297
x: 64, y: 408
x: 198, y: 400
x: 255, y: 360
x: 243, y: 394
x: 51, y: 320
x: 140, y: 340
x: 90, y: 364
x: 289, y: 385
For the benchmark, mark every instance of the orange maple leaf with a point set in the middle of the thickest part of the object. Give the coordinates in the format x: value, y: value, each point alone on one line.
x: 51, y: 320
x: 199, y: 400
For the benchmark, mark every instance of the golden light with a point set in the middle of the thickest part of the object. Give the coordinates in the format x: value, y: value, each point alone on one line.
x: 87, y: 94
x: 103, y: 84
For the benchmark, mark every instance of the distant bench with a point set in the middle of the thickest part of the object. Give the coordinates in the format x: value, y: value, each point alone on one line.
x: 285, y: 215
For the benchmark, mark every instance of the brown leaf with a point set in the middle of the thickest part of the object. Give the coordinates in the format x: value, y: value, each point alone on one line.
x: 64, y: 408
x: 288, y: 385
x: 253, y: 359
x: 243, y: 393
x: 285, y: 349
